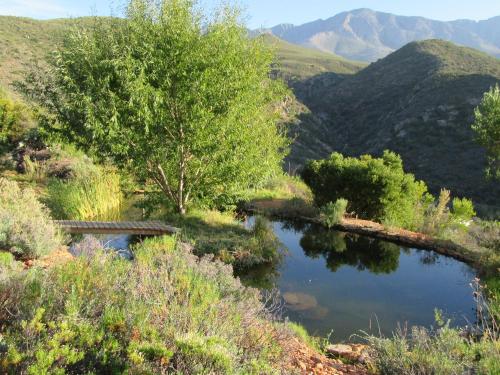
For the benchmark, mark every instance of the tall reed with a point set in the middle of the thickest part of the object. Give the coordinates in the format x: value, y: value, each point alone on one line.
x: 94, y: 196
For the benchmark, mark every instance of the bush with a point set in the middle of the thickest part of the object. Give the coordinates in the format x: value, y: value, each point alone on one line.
x: 26, y: 229
x: 167, y: 311
x: 376, y: 188
x: 333, y: 213
x: 14, y: 120
x: 463, y: 210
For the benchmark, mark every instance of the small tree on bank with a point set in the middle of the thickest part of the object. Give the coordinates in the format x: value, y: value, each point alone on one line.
x: 179, y: 99
x: 487, y: 128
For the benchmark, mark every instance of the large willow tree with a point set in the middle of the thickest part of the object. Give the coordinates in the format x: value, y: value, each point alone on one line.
x: 181, y: 99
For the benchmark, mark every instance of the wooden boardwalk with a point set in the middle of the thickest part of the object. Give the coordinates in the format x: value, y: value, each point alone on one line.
x: 153, y: 228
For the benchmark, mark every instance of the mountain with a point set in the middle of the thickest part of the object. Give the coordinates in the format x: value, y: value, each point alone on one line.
x: 367, y: 35
x: 418, y: 101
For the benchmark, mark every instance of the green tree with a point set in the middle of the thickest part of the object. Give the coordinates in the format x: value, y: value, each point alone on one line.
x: 376, y: 188
x: 487, y: 128
x: 182, y: 100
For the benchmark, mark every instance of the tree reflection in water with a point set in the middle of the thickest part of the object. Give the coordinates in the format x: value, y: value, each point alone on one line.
x: 338, y: 248
x: 341, y: 249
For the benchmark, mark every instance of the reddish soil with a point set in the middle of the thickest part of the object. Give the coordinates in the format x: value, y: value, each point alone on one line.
x: 308, y: 361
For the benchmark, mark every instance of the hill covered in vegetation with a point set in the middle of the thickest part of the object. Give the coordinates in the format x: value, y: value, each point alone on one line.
x: 22, y: 39
x: 417, y: 102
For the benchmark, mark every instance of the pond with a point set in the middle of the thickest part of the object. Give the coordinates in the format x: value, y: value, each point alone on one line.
x: 339, y: 284
x: 342, y: 284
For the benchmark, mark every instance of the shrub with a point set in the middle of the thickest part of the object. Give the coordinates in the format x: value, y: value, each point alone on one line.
x: 437, y: 215
x: 26, y: 229
x: 376, y: 188
x: 463, y: 210
x: 333, y: 213
x: 167, y: 311
x: 14, y: 120
x: 95, y: 194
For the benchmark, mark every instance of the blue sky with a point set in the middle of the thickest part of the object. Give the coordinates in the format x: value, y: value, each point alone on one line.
x: 271, y: 12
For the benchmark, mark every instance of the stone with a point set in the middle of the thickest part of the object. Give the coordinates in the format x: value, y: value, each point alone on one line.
x: 339, y: 350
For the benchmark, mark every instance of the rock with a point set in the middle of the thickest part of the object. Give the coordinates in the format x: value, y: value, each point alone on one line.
x: 353, y: 352
x: 339, y: 350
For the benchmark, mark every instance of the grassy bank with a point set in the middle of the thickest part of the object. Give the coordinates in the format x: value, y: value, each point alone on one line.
x: 221, y: 234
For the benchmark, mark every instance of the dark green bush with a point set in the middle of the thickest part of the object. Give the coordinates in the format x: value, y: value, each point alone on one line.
x: 376, y: 188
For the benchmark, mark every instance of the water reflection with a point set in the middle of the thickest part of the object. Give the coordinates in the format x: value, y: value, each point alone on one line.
x: 340, y: 249
x: 333, y: 281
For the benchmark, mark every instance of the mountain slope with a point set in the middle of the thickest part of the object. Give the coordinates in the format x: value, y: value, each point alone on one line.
x: 418, y: 102
x: 22, y: 39
x: 367, y: 35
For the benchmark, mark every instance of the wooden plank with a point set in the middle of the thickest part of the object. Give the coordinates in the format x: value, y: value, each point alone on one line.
x: 128, y: 227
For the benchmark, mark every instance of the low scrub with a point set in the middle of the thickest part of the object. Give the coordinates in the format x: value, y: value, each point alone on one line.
x: 167, y: 311
x: 333, y: 213
x: 26, y: 229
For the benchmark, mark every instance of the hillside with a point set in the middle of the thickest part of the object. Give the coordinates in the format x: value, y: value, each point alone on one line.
x: 297, y: 63
x: 367, y: 35
x: 418, y: 102
x: 22, y: 39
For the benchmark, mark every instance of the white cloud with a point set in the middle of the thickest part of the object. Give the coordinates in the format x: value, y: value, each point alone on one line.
x: 32, y: 8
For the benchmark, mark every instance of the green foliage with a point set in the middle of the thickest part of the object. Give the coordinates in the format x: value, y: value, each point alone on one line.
x: 26, y: 229
x: 167, y: 311
x: 376, y: 188
x: 182, y: 100
x: 91, y: 193
x: 437, y: 217
x: 445, y: 351
x: 220, y: 234
x: 333, y: 213
x: 487, y: 128
x: 34, y: 170
x: 462, y: 210
x: 14, y: 120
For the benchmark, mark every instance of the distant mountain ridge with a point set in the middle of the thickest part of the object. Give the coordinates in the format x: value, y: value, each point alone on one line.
x: 368, y: 35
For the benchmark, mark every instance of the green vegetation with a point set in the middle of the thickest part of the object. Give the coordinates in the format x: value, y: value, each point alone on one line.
x: 421, y: 352
x: 166, y: 312
x: 200, y: 128
x: 333, y: 213
x: 220, y: 234
x: 95, y: 194
x: 443, y: 350
x: 376, y: 188
x: 25, y: 226
x: 487, y: 128
x: 15, y: 121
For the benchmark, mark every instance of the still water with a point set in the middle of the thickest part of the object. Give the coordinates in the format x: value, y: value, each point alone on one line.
x: 339, y: 284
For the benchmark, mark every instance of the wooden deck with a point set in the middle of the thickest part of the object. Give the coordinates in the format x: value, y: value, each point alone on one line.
x: 153, y: 228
